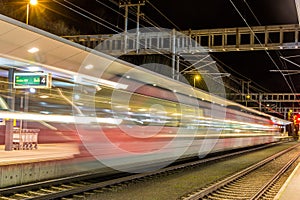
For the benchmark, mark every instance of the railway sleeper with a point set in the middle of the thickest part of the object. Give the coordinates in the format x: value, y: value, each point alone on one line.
x: 60, y: 188
x: 99, y: 191
x: 67, y: 186
x: 47, y: 191
x: 77, y: 184
x: 229, y: 190
x: 269, y: 195
x: 22, y: 195
x: 233, y: 193
x: 36, y: 193
x: 6, y: 198
x: 215, y: 197
x: 88, y: 194
x: 226, y: 195
x: 78, y: 197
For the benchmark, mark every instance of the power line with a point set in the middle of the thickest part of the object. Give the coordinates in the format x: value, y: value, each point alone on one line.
x: 163, y: 15
x: 84, y: 15
x: 151, y: 22
x: 279, y: 54
x: 145, y: 18
x: 261, y: 44
x: 231, y: 69
x: 92, y: 14
x: 165, y: 55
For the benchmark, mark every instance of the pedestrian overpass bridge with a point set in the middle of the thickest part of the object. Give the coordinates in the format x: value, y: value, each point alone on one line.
x: 274, y: 37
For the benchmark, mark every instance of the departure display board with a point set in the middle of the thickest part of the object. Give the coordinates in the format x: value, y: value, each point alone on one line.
x: 32, y: 80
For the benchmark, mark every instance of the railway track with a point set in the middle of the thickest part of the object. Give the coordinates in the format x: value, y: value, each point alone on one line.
x: 259, y: 181
x: 81, y: 186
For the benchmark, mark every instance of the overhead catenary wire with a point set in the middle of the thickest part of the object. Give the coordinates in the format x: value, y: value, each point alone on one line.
x: 162, y: 14
x: 133, y: 11
x: 114, y: 10
x: 105, y: 21
x: 233, y: 70
x: 257, y: 101
x: 90, y: 18
x: 238, y: 82
x: 146, y: 19
x: 68, y: 7
x: 277, y: 52
x: 292, y: 88
x: 151, y: 22
x: 268, y: 54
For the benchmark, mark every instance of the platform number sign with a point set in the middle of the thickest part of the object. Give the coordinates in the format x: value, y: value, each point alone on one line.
x: 32, y: 80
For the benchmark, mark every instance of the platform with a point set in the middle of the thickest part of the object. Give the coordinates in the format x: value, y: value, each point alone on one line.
x: 45, y: 152
x: 291, y: 188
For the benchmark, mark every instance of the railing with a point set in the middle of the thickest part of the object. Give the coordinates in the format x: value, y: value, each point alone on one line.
x: 221, y: 40
x: 265, y: 97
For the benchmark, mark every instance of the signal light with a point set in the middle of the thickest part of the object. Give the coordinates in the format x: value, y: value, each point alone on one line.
x: 297, y: 119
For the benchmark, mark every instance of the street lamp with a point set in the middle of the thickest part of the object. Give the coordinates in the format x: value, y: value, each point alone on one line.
x: 197, y: 77
x: 31, y: 2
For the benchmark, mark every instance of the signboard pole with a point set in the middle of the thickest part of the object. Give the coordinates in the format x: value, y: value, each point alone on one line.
x: 26, y: 104
x: 11, y: 103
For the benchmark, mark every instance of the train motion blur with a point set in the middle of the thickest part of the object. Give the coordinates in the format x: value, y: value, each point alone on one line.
x: 127, y: 118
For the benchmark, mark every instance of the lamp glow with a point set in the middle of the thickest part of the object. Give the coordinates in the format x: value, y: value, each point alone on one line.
x: 33, y: 2
x: 33, y: 50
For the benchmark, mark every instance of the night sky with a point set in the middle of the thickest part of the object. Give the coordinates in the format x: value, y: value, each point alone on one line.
x: 188, y: 14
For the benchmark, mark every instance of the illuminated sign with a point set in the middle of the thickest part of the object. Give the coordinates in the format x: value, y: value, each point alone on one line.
x: 32, y: 80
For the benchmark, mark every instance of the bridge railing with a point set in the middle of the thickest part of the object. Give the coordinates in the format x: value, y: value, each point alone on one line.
x: 266, y: 97
x: 146, y: 43
x: 225, y: 39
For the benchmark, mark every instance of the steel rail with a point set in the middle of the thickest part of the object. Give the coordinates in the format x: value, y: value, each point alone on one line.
x: 202, y: 193
x: 67, y: 190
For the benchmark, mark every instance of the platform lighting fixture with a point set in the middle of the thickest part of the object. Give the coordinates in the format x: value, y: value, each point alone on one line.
x: 197, y: 77
x: 33, y: 68
x: 89, y: 67
x: 33, y: 50
x: 44, y: 96
x: 33, y: 2
x: 98, y: 88
x: 142, y: 109
x: 30, y: 2
x: 32, y: 90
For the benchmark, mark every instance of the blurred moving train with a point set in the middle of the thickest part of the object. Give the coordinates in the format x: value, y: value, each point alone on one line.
x: 135, y: 118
